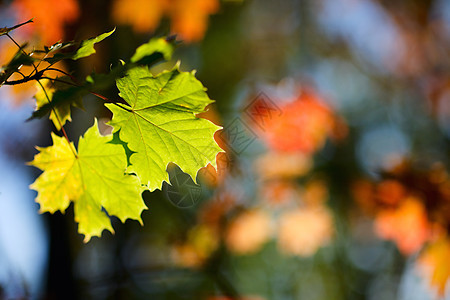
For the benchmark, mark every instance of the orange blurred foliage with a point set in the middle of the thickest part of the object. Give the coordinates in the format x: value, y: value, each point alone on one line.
x: 303, y: 125
x: 409, y: 206
x: 373, y: 196
x: 50, y: 17
x: 201, y: 242
x: 282, y: 165
x: 215, y: 210
x: 390, y: 192
x: 316, y: 192
x: 407, y: 225
x: 248, y: 232
x: 303, y: 231
x: 189, y: 17
x: 363, y: 191
x: 142, y: 15
x: 280, y: 192
x: 240, y: 298
x: 214, y: 177
x: 435, y: 259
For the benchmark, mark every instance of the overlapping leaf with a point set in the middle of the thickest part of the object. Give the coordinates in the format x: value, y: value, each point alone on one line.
x: 93, y: 178
x: 160, y: 126
x: 59, y: 114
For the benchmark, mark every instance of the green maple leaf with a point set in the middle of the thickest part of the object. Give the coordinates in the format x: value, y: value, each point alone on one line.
x: 93, y: 178
x: 160, y: 126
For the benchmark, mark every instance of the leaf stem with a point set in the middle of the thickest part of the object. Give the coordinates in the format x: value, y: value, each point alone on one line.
x: 63, y: 72
x: 77, y: 85
x: 59, y: 121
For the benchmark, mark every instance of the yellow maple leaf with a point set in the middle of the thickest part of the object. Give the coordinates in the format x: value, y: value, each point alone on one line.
x: 93, y: 177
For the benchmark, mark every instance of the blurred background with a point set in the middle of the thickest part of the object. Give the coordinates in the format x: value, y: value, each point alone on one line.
x: 334, y: 182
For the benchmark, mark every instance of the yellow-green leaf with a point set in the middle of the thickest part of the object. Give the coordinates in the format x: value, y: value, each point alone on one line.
x: 160, y: 126
x: 93, y: 178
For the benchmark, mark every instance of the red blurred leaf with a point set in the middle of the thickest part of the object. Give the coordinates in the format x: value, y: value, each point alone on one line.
x: 303, y: 125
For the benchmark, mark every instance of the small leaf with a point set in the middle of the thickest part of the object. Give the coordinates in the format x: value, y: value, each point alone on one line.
x: 85, y: 49
x: 160, y: 126
x: 94, y: 179
x: 87, y: 46
x: 154, y: 47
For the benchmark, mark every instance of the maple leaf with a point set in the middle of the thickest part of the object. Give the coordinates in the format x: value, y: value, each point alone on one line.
x: 93, y: 178
x: 159, y: 124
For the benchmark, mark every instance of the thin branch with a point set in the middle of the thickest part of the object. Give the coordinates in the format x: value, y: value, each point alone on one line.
x: 62, y: 81
x: 77, y: 85
x: 21, y: 49
x: 23, y: 75
x: 14, y: 41
x: 63, y: 72
x: 18, y: 25
x: 36, y: 76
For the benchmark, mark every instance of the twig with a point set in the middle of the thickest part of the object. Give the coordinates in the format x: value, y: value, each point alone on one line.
x: 36, y: 76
